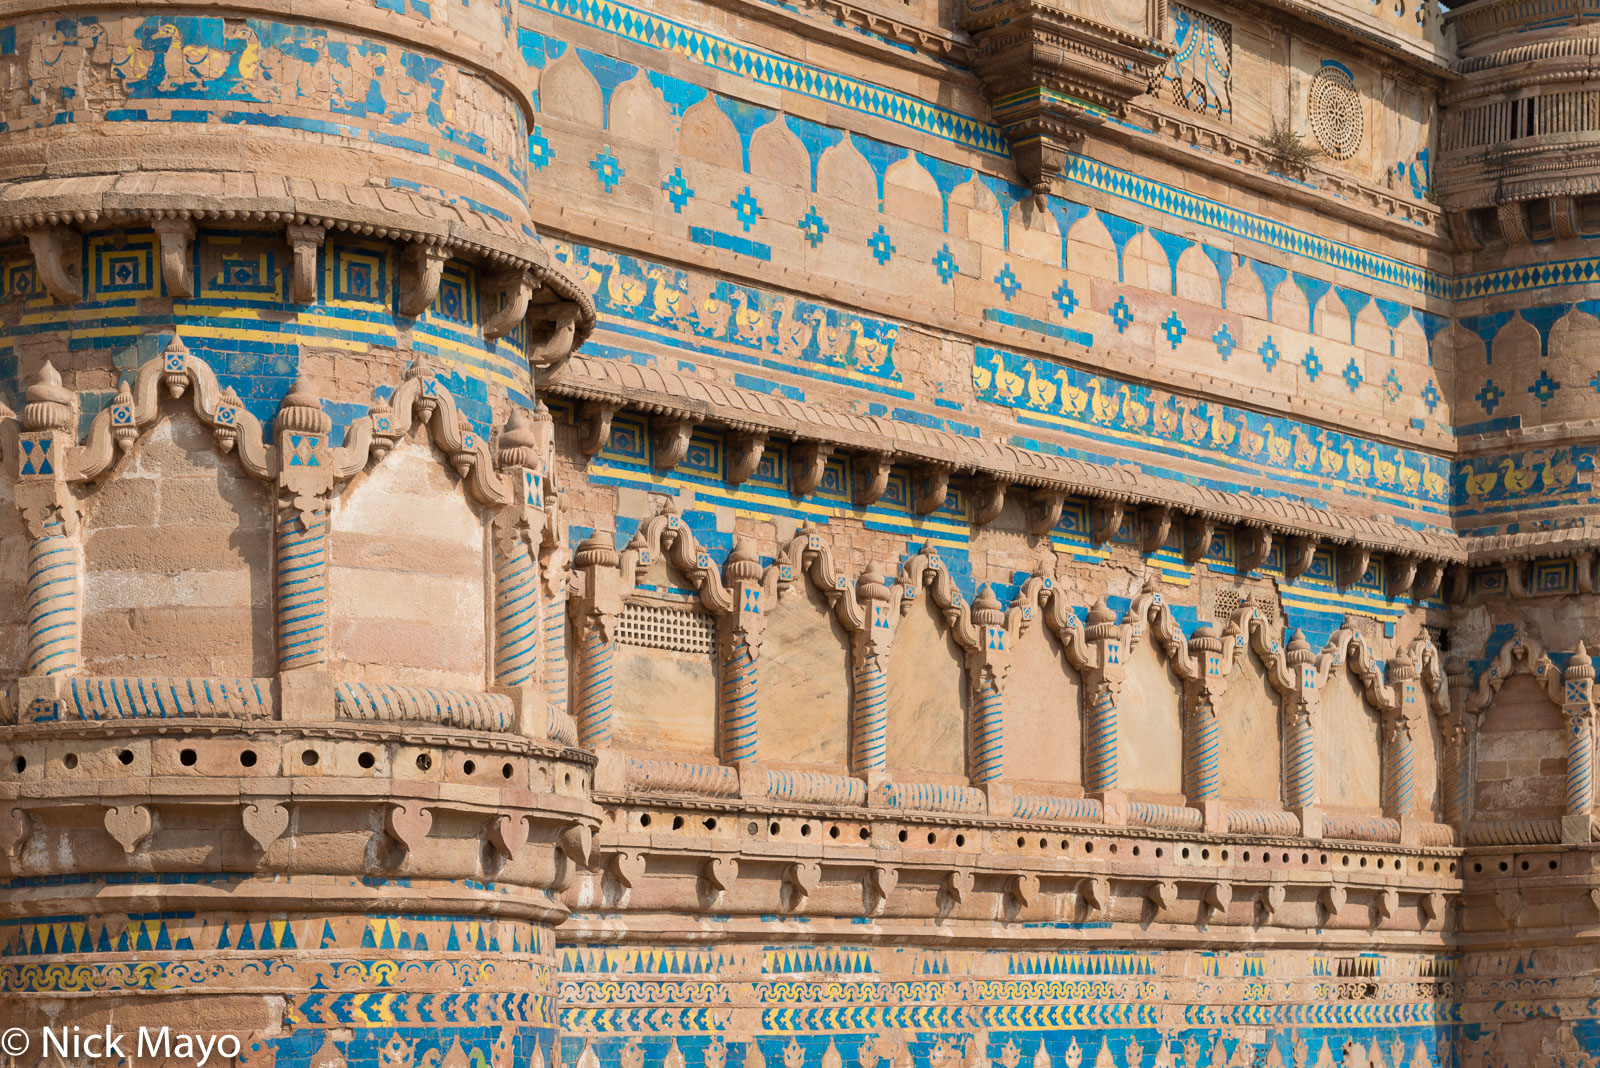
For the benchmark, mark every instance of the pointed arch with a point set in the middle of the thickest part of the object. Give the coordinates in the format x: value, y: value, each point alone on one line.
x: 708, y: 136
x: 568, y: 91
x: 639, y: 112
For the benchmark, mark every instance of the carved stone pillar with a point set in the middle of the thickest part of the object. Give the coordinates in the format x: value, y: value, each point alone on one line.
x: 1577, y: 706
x: 1457, y: 731
x: 305, y: 479
x: 1103, y: 687
x: 740, y: 645
x: 55, y: 557
x: 1202, y: 737
x: 986, y: 667
x: 1300, y: 767
x: 1399, y: 763
x: 595, y: 611
x: 519, y: 530
x: 869, y: 728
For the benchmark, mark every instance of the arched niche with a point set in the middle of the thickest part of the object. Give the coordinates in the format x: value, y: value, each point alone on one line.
x: 1250, y: 749
x: 776, y: 153
x: 1150, y: 724
x: 664, y: 667
x: 708, y: 136
x: 1521, y: 767
x: 927, y: 695
x: 1198, y: 279
x: 803, y: 714
x: 568, y: 91
x: 638, y: 113
x: 177, y: 548
x: 407, y: 572
x: 1044, y: 712
x: 1347, y: 734
x: 1427, y: 762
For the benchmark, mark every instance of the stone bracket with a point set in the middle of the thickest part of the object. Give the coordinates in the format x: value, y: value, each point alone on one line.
x: 177, y: 260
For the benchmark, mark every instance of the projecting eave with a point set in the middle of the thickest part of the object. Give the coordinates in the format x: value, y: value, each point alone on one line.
x: 1364, y: 34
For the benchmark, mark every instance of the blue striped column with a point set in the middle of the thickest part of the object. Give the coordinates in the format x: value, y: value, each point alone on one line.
x: 986, y: 668
x: 302, y: 586
x: 555, y: 654
x: 595, y: 614
x: 740, y: 645
x: 518, y: 626
x: 1578, y: 682
x: 1100, y: 741
x: 1400, y: 765
x: 739, y: 702
x: 1300, y: 767
x: 869, y: 722
x: 1105, y: 684
x: 1204, y: 734
x: 54, y: 596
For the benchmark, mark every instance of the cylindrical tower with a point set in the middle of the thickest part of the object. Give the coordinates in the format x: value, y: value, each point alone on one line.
x: 269, y: 287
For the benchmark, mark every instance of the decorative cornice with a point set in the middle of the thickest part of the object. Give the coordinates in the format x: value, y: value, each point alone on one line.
x: 1052, y: 74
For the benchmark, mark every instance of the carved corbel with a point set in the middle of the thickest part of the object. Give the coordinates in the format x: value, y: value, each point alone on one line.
x: 408, y: 824
x: 1218, y: 896
x: 15, y: 826
x: 1105, y: 519
x: 931, y: 489
x: 1353, y: 564
x: 881, y: 881
x: 421, y: 268
x: 1459, y: 581
x: 1299, y: 553
x: 1517, y: 578
x: 1272, y: 897
x: 1095, y: 894
x: 1386, y: 904
x: 575, y: 842
x: 594, y: 426
x: 553, y: 343
x: 1257, y: 547
x: 49, y: 247
x: 177, y: 262
x: 265, y: 822
x: 1044, y: 510
x: 1023, y: 889
x: 803, y: 878
x: 1507, y: 903
x: 1431, y: 573
x: 1157, y: 527
x: 508, y: 834
x: 1402, y: 572
x: 518, y: 289
x: 1463, y: 232
x: 1434, y: 905
x: 627, y: 867
x: 1197, y: 534
x: 1584, y: 565
x: 1332, y: 899
x: 669, y: 440
x: 719, y: 873
x: 871, y: 477
x: 304, y: 242
x: 957, y: 885
x: 1513, y: 223
x: 1564, y: 217
x: 808, y: 460
x: 130, y: 825
x: 988, y: 498
x: 1162, y: 896
x: 745, y: 449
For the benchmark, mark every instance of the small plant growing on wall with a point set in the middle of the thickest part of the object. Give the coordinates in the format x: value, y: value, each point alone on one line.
x: 1287, y: 148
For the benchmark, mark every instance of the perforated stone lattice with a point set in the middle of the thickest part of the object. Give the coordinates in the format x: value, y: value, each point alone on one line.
x: 1226, y: 602
x: 1335, y: 110
x: 676, y: 630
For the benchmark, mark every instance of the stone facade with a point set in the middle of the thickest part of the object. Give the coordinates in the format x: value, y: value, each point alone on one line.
x: 713, y: 533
